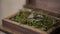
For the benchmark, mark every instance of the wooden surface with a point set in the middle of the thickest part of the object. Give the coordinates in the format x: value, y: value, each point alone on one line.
x: 9, y: 30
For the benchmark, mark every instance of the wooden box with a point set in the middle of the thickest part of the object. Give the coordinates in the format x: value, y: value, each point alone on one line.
x: 38, y: 5
x: 25, y: 29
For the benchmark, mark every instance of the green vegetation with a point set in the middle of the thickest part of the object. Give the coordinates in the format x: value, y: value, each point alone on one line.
x: 35, y: 19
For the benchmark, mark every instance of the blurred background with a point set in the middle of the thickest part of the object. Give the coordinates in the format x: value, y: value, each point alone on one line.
x: 9, y: 7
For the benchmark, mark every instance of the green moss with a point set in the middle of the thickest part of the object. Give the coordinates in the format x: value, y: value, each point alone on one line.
x: 39, y: 20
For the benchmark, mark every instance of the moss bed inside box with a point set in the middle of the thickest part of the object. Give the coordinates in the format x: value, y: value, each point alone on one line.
x: 35, y: 19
